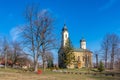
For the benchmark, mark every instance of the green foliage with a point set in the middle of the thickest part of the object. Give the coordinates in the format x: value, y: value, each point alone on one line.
x: 101, y: 67
x: 68, y: 53
x: 50, y: 63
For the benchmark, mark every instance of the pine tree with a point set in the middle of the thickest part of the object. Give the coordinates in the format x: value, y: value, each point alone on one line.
x: 50, y: 63
x: 101, y: 67
x: 68, y: 53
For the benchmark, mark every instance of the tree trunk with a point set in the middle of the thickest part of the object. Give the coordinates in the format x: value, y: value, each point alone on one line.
x: 112, y: 59
x: 119, y: 65
x: 43, y: 60
x: 36, y: 67
x: 44, y: 65
x: 43, y: 56
x: 106, y: 58
x: 105, y: 63
x: 36, y: 63
x: 97, y: 60
x: 5, y: 60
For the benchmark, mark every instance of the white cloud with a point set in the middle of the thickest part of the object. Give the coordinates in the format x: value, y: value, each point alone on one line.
x: 43, y: 12
x: 14, y: 32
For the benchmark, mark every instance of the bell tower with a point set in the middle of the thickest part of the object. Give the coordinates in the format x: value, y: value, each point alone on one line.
x: 83, y: 43
x: 65, y: 35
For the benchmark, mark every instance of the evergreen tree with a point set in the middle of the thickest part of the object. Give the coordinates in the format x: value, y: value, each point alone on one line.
x: 49, y: 58
x: 101, y: 66
x: 50, y: 63
x: 68, y: 53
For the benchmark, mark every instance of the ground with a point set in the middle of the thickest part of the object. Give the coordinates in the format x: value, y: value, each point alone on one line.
x: 50, y: 75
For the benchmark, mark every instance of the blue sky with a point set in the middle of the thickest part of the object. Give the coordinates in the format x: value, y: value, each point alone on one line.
x: 90, y: 19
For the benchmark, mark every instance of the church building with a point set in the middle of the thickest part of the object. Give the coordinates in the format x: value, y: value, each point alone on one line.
x: 83, y: 56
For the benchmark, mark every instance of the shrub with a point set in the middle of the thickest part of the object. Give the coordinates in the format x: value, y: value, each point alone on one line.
x: 101, y: 67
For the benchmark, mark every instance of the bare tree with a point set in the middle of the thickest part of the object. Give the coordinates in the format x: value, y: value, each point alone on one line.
x: 110, y: 45
x: 96, y: 56
x: 5, y: 48
x: 45, y: 34
x: 105, y: 46
x: 16, y: 52
x: 114, y: 46
x: 28, y: 34
x: 37, y: 33
x: 118, y: 58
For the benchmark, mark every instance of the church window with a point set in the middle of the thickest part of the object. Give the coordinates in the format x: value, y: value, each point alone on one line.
x: 66, y: 36
x: 88, y: 59
x: 83, y: 58
x: 78, y: 58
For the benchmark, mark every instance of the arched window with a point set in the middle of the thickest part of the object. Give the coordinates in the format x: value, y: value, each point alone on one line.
x: 83, y: 58
x: 65, y: 35
x: 78, y: 58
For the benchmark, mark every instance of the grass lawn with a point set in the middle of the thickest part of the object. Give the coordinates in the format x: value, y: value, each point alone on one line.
x: 12, y: 74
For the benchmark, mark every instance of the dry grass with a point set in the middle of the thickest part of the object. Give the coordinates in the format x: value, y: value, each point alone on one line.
x: 49, y: 75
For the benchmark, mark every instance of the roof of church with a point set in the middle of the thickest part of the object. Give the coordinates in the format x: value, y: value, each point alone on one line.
x: 81, y: 50
x: 82, y: 40
x: 64, y: 28
x: 78, y: 50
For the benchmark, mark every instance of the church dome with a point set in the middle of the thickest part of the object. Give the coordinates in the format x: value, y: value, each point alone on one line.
x: 82, y: 40
x: 64, y: 28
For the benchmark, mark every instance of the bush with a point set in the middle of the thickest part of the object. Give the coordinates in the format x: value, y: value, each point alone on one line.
x: 101, y: 67
x: 31, y: 69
